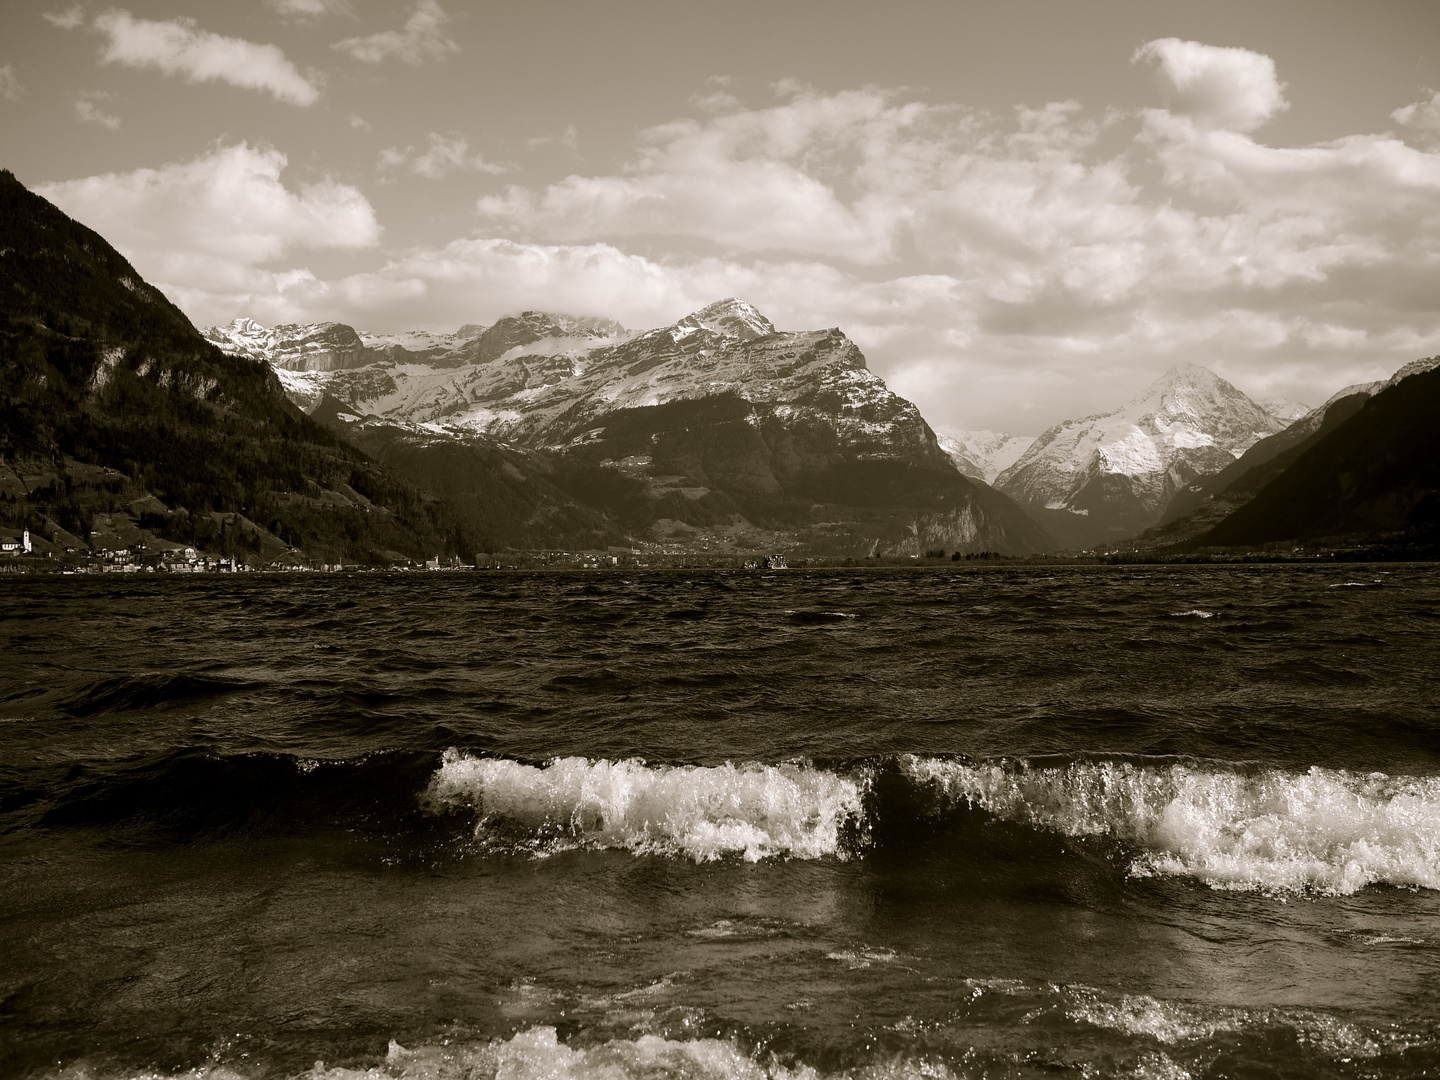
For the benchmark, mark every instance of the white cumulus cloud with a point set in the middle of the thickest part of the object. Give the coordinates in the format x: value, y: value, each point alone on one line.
x: 423, y: 38
x: 203, y: 230
x: 1421, y: 117
x: 68, y: 19
x: 1234, y: 89
x: 179, y: 47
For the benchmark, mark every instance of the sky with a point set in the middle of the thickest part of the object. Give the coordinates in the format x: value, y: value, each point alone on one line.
x: 1021, y: 212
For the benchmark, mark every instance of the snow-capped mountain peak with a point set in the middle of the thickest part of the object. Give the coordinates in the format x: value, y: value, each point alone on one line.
x: 1124, y: 466
x: 731, y: 317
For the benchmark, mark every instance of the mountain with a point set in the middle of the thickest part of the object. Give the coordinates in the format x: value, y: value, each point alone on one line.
x: 983, y: 455
x: 1203, y: 504
x: 1375, y: 477
x: 1287, y: 412
x: 1102, y: 478
x: 717, y: 432
x: 331, y: 346
x: 119, y: 421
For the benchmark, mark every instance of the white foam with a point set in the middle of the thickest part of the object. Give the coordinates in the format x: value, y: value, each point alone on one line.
x: 1323, y: 831
x: 538, y: 1054
x: 756, y: 811
x: 1193, y: 613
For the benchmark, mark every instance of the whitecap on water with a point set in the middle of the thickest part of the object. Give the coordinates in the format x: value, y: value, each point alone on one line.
x: 1325, y: 831
x: 701, y: 813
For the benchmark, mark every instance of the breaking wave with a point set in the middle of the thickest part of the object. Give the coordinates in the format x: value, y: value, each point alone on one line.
x: 754, y: 811
x: 539, y: 1054
x: 1313, y: 1041
x: 1323, y: 831
x: 1326, y: 831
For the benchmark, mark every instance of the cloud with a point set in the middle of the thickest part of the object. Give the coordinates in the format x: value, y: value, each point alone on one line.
x: 856, y: 176
x: 204, y: 230
x: 88, y: 111
x: 177, y: 47
x: 10, y: 88
x: 359, y: 123
x: 1421, y: 117
x: 68, y: 19
x: 569, y: 139
x: 421, y: 39
x: 309, y: 9
x: 1013, y: 271
x: 1233, y: 89
x: 446, y: 154
x: 1005, y: 271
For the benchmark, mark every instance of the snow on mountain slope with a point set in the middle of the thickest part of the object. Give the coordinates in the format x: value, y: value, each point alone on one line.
x: 335, y: 346
x: 1287, y: 412
x: 983, y: 455
x: 544, y: 392
x: 326, y: 346
x: 716, y: 421
x: 1121, y: 468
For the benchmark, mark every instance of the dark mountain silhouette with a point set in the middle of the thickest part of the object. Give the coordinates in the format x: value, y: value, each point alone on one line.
x: 111, y: 403
x: 1373, y: 477
x: 1210, y: 500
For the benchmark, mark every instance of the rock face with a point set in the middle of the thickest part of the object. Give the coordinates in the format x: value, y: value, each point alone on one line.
x: 716, y: 431
x: 1103, y: 478
x: 325, y: 346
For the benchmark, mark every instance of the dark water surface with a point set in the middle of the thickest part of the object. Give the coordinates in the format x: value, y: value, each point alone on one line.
x: 1011, y: 822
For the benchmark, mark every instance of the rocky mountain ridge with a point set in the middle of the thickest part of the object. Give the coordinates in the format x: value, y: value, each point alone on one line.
x: 716, y: 421
x: 333, y: 346
x: 1369, y: 477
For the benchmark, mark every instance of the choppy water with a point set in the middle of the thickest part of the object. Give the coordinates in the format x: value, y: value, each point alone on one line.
x: 1010, y: 822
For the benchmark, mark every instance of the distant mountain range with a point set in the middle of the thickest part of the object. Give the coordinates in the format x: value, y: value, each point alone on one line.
x: 331, y: 346
x: 121, y: 424
x: 717, y: 432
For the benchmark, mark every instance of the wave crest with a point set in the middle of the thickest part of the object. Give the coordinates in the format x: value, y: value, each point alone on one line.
x: 790, y: 810
x: 1325, y: 831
